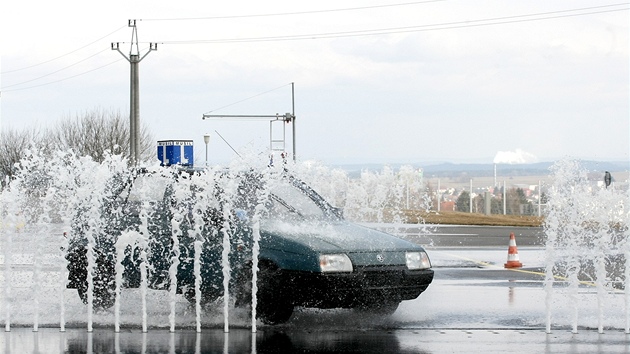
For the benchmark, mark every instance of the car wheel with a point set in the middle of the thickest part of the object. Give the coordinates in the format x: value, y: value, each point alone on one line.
x: 273, y: 307
x: 103, y: 280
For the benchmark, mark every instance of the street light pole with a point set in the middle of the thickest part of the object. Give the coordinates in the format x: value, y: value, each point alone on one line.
x: 206, y: 139
x: 293, y: 119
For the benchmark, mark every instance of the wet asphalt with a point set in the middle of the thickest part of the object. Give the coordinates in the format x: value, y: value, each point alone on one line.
x: 48, y: 340
x: 474, y: 305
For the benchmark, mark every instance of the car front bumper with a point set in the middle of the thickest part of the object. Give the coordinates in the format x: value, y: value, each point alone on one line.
x: 364, y: 287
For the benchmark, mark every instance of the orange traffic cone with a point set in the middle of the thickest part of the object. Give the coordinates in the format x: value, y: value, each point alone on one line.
x: 512, y: 260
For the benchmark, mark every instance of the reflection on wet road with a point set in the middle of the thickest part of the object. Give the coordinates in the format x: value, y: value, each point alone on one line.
x: 302, y: 341
x: 473, y: 305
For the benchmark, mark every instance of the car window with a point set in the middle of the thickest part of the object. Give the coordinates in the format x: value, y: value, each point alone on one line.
x: 149, y: 188
x: 287, y: 200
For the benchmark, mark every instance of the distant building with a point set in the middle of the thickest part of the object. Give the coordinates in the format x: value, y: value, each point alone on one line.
x: 447, y: 206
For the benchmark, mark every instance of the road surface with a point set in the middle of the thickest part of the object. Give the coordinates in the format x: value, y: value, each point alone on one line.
x: 473, y: 305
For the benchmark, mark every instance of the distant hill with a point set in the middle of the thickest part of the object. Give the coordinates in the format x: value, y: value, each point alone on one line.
x: 484, y: 170
x: 447, y: 169
x: 532, y: 169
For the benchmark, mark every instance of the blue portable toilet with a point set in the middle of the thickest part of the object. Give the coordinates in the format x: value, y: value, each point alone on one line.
x: 175, y: 152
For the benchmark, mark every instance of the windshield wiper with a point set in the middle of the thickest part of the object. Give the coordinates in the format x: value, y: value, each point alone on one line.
x: 286, y: 205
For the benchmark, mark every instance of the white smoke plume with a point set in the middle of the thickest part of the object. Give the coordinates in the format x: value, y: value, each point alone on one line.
x: 517, y: 156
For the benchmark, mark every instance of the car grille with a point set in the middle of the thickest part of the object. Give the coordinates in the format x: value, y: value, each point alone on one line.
x: 385, y: 276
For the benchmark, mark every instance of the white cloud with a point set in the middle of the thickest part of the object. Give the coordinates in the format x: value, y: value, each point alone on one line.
x: 433, y: 92
x: 517, y: 156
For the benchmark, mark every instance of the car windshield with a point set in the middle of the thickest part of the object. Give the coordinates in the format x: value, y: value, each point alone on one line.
x: 288, y: 201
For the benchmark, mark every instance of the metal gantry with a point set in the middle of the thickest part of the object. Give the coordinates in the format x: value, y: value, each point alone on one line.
x: 275, y: 143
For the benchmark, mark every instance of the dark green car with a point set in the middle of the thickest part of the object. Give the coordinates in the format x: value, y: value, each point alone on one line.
x: 308, y: 255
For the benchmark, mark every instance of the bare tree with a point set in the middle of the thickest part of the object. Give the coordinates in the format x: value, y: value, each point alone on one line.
x: 13, y: 147
x: 96, y: 132
x: 91, y: 133
x: 515, y: 198
x: 433, y: 197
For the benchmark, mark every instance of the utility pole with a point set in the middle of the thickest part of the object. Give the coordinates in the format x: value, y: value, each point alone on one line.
x: 134, y: 59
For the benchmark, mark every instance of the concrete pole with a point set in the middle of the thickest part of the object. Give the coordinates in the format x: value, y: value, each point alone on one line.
x: 471, y: 197
x: 134, y: 101
x: 407, y: 202
x: 439, y: 199
x: 134, y: 117
x: 504, y: 199
x: 487, y: 203
x: 539, y: 197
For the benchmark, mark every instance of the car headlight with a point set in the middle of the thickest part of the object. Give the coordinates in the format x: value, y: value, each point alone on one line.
x: 418, y: 260
x: 335, y: 263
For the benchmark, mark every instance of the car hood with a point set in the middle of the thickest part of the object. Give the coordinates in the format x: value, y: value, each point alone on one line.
x: 328, y: 237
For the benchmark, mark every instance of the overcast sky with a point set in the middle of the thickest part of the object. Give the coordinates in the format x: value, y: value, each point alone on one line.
x: 375, y: 80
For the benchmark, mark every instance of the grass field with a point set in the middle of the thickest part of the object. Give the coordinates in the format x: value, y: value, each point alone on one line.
x: 461, y: 218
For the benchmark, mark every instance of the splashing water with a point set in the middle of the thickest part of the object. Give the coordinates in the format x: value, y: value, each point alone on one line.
x: 586, y: 248
x: 62, y: 212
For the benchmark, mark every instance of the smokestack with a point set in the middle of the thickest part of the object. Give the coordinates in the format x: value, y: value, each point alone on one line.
x: 495, y: 174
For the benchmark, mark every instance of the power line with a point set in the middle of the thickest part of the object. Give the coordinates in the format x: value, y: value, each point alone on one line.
x: 63, y: 55
x: 56, y: 71
x: 248, y: 98
x: 64, y: 79
x: 406, y: 29
x: 369, y: 32
x: 289, y: 13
